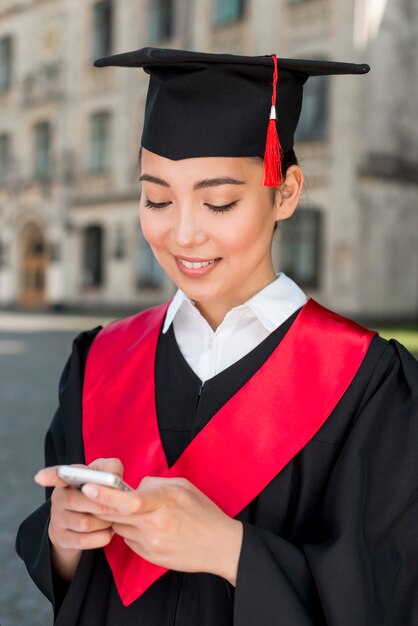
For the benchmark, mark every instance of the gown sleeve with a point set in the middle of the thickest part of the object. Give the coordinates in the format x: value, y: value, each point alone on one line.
x: 63, y: 445
x: 362, y: 566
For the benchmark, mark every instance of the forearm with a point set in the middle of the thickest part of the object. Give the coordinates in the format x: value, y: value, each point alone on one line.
x: 64, y: 561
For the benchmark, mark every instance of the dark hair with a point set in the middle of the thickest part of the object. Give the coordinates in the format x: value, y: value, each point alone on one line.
x: 288, y: 159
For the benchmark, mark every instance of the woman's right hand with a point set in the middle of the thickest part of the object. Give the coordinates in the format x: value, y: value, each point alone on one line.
x: 73, y: 526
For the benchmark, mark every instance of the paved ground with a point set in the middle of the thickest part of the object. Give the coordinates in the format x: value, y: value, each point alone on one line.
x: 33, y: 350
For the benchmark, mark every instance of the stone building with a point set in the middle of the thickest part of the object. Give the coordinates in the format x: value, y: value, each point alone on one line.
x: 69, y: 137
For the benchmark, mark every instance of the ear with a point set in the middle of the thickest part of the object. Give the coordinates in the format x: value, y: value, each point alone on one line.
x: 288, y: 194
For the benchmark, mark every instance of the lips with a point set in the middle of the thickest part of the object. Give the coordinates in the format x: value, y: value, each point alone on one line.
x: 195, y: 265
x: 196, y: 268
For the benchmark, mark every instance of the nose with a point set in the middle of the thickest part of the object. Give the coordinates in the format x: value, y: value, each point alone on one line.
x: 187, y: 229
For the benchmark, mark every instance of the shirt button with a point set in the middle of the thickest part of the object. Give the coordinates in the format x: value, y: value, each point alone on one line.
x: 210, y: 343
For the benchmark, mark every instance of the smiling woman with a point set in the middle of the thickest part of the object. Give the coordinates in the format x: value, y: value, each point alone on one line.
x: 270, y: 442
x: 210, y: 226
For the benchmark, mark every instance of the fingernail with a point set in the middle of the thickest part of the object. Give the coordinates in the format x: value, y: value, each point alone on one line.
x: 90, y: 491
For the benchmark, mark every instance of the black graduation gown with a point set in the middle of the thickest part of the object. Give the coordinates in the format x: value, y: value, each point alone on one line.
x: 332, y: 540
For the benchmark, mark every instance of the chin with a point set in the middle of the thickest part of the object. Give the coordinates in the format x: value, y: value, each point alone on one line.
x: 198, y: 293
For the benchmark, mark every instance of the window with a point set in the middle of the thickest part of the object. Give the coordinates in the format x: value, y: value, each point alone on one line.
x: 92, y: 273
x: 3, y: 254
x: 55, y: 252
x: 99, y: 142
x: 119, y: 243
x: 4, y: 157
x: 301, y: 241
x: 6, y: 52
x: 43, y: 160
x: 147, y: 269
x: 314, y: 116
x: 102, y: 29
x: 161, y: 19
x: 228, y: 10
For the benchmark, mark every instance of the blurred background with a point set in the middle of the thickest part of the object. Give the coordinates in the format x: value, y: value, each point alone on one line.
x: 70, y: 242
x: 69, y: 138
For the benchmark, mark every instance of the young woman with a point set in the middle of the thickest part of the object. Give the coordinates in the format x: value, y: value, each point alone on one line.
x: 271, y: 443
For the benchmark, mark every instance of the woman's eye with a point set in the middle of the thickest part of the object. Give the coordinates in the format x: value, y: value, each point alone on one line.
x: 156, y: 205
x: 221, y: 208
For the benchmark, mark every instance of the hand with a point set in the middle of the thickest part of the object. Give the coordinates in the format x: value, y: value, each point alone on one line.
x: 171, y: 523
x: 73, y: 525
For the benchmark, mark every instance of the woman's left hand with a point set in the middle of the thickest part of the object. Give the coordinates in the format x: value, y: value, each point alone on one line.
x: 171, y: 523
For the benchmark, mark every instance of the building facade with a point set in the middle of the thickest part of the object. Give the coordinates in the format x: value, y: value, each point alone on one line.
x: 70, y: 133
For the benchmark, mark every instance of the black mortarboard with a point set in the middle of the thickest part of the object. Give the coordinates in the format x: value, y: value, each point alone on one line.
x: 204, y: 104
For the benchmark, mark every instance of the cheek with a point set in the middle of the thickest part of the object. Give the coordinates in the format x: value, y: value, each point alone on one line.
x: 250, y: 234
x: 152, y: 227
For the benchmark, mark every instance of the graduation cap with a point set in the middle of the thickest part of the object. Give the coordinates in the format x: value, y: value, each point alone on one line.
x: 204, y: 104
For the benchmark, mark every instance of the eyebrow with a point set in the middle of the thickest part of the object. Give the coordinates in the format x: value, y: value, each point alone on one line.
x: 200, y: 184
x: 214, y: 182
x: 154, y: 179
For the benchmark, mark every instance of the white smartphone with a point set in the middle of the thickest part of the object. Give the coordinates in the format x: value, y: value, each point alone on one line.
x: 79, y: 476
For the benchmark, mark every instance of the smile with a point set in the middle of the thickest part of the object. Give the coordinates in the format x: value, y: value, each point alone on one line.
x: 195, y: 265
x: 197, y: 268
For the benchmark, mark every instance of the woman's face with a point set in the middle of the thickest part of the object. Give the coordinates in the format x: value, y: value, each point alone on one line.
x: 209, y: 223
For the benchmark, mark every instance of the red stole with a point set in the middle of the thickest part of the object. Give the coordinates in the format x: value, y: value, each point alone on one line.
x: 245, y: 444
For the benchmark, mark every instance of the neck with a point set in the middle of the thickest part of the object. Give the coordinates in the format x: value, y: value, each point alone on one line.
x: 214, y: 312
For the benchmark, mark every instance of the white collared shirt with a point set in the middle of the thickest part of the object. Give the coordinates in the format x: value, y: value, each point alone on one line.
x: 208, y: 352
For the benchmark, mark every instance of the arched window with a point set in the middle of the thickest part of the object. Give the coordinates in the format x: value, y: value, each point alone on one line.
x: 34, y: 262
x: 92, y: 273
x: 301, y: 247
x: 149, y: 274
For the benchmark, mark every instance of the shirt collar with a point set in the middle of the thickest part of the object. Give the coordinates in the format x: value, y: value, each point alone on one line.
x: 276, y: 302
x: 179, y: 299
x: 271, y: 306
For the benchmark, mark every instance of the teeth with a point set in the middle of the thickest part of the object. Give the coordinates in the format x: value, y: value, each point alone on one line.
x: 194, y: 265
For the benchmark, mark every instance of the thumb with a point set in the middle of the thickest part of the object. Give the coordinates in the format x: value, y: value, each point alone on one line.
x: 114, y: 466
x: 48, y: 477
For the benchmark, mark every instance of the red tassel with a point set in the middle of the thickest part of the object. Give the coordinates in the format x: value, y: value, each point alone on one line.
x: 272, y: 171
